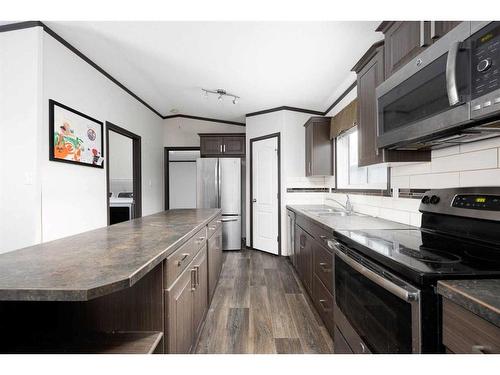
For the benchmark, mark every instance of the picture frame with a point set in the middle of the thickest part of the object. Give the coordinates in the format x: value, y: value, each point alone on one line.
x: 75, y: 137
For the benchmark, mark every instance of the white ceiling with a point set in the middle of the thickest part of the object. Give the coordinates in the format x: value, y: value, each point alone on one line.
x: 268, y: 64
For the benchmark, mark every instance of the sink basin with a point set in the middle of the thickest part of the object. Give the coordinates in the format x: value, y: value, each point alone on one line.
x: 321, y: 210
x: 334, y: 213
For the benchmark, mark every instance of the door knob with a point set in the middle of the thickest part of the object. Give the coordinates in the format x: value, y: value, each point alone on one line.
x: 254, y: 200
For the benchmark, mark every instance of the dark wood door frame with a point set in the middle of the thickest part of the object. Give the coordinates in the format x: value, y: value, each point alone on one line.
x: 136, y: 166
x: 252, y: 140
x: 166, y: 162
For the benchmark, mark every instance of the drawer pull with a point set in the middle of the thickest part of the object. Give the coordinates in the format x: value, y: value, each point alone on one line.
x: 197, y: 275
x: 184, y: 256
x: 200, y: 240
x: 325, y: 308
x: 363, y: 347
x: 213, y: 228
x: 193, y: 279
x: 480, y: 349
x: 324, y: 267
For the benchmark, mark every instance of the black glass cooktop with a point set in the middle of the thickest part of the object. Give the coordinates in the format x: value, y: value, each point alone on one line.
x: 419, y: 254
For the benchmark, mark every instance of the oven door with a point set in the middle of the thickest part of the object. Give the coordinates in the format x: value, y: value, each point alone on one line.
x: 429, y: 97
x: 382, y: 309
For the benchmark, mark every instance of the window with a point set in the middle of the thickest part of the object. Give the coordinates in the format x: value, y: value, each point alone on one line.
x: 349, y: 174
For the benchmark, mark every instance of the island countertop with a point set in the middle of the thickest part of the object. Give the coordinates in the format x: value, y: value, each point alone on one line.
x: 99, y: 262
x: 482, y: 297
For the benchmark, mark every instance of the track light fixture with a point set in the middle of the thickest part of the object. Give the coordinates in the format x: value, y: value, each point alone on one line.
x: 221, y: 93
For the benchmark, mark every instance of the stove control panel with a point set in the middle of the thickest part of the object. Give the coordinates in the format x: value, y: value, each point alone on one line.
x: 477, y: 202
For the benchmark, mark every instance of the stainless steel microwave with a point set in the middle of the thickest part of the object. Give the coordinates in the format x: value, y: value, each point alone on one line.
x: 448, y: 94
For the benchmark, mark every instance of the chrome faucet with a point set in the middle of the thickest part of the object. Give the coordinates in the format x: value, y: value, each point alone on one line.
x: 348, y: 207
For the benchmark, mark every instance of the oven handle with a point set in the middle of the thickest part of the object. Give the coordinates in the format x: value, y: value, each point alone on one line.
x: 451, y: 74
x: 377, y: 279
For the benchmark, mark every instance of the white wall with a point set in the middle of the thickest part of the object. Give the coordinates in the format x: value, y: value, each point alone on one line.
x: 78, y: 193
x: 179, y: 131
x: 20, y: 131
x: 41, y: 200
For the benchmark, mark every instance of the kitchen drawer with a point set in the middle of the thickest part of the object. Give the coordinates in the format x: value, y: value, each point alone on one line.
x: 305, y: 224
x: 178, y: 261
x: 320, y: 233
x: 323, y: 266
x: 213, y: 226
x: 323, y: 301
x: 340, y: 345
x: 464, y: 332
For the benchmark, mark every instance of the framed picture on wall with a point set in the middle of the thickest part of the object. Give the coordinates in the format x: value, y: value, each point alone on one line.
x: 74, y: 137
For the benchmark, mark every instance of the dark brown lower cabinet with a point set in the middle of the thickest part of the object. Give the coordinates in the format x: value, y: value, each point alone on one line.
x: 323, y: 300
x: 314, y: 265
x: 179, y: 319
x: 187, y: 303
x: 466, y: 333
x: 214, y: 255
x: 303, y: 242
x: 341, y: 346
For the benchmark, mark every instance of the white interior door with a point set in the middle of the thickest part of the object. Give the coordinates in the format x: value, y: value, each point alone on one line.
x: 265, y: 195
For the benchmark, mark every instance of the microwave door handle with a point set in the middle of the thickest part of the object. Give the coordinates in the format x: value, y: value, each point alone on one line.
x: 379, y: 280
x: 451, y: 74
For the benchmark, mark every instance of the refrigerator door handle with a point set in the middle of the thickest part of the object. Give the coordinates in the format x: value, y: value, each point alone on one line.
x: 227, y: 220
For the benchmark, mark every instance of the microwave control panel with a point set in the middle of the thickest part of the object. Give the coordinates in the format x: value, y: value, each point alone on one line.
x: 485, y: 72
x: 486, y: 61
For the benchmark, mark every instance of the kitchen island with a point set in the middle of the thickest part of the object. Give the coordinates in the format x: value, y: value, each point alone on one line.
x: 108, y: 285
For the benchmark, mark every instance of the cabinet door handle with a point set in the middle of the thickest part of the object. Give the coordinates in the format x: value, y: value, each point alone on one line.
x: 480, y: 349
x: 363, y: 347
x: 221, y: 148
x: 224, y: 148
x: 433, y: 30
x: 193, y: 279
x: 200, y: 240
x: 422, y: 34
x: 325, y: 308
x: 214, y: 227
x: 324, y: 267
x: 197, y: 275
x: 184, y: 256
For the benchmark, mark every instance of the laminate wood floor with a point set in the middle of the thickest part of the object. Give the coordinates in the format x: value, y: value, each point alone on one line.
x: 259, y: 306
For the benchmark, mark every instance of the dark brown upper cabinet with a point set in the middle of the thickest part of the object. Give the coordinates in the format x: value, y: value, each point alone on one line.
x: 440, y: 28
x: 406, y: 39
x: 319, y: 147
x: 370, y: 73
x: 403, y: 41
x: 222, y: 145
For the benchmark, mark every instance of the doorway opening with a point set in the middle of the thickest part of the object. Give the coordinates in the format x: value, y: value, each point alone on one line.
x: 180, y: 177
x: 123, y: 174
x: 265, y: 193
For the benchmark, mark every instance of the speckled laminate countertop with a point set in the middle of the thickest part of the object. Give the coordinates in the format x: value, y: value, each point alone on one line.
x: 98, y: 262
x: 482, y: 297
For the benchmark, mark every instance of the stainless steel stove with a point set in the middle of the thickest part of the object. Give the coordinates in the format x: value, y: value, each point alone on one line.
x: 385, y: 279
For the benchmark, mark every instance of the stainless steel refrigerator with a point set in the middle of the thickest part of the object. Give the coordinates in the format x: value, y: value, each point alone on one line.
x: 219, y: 186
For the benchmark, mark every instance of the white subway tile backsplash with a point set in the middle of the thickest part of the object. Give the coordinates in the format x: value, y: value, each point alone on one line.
x: 434, y: 181
x: 416, y: 219
x: 485, y: 177
x: 411, y: 169
x: 483, y: 159
x: 452, y: 150
x: 400, y: 182
x: 395, y: 215
x: 480, y: 145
